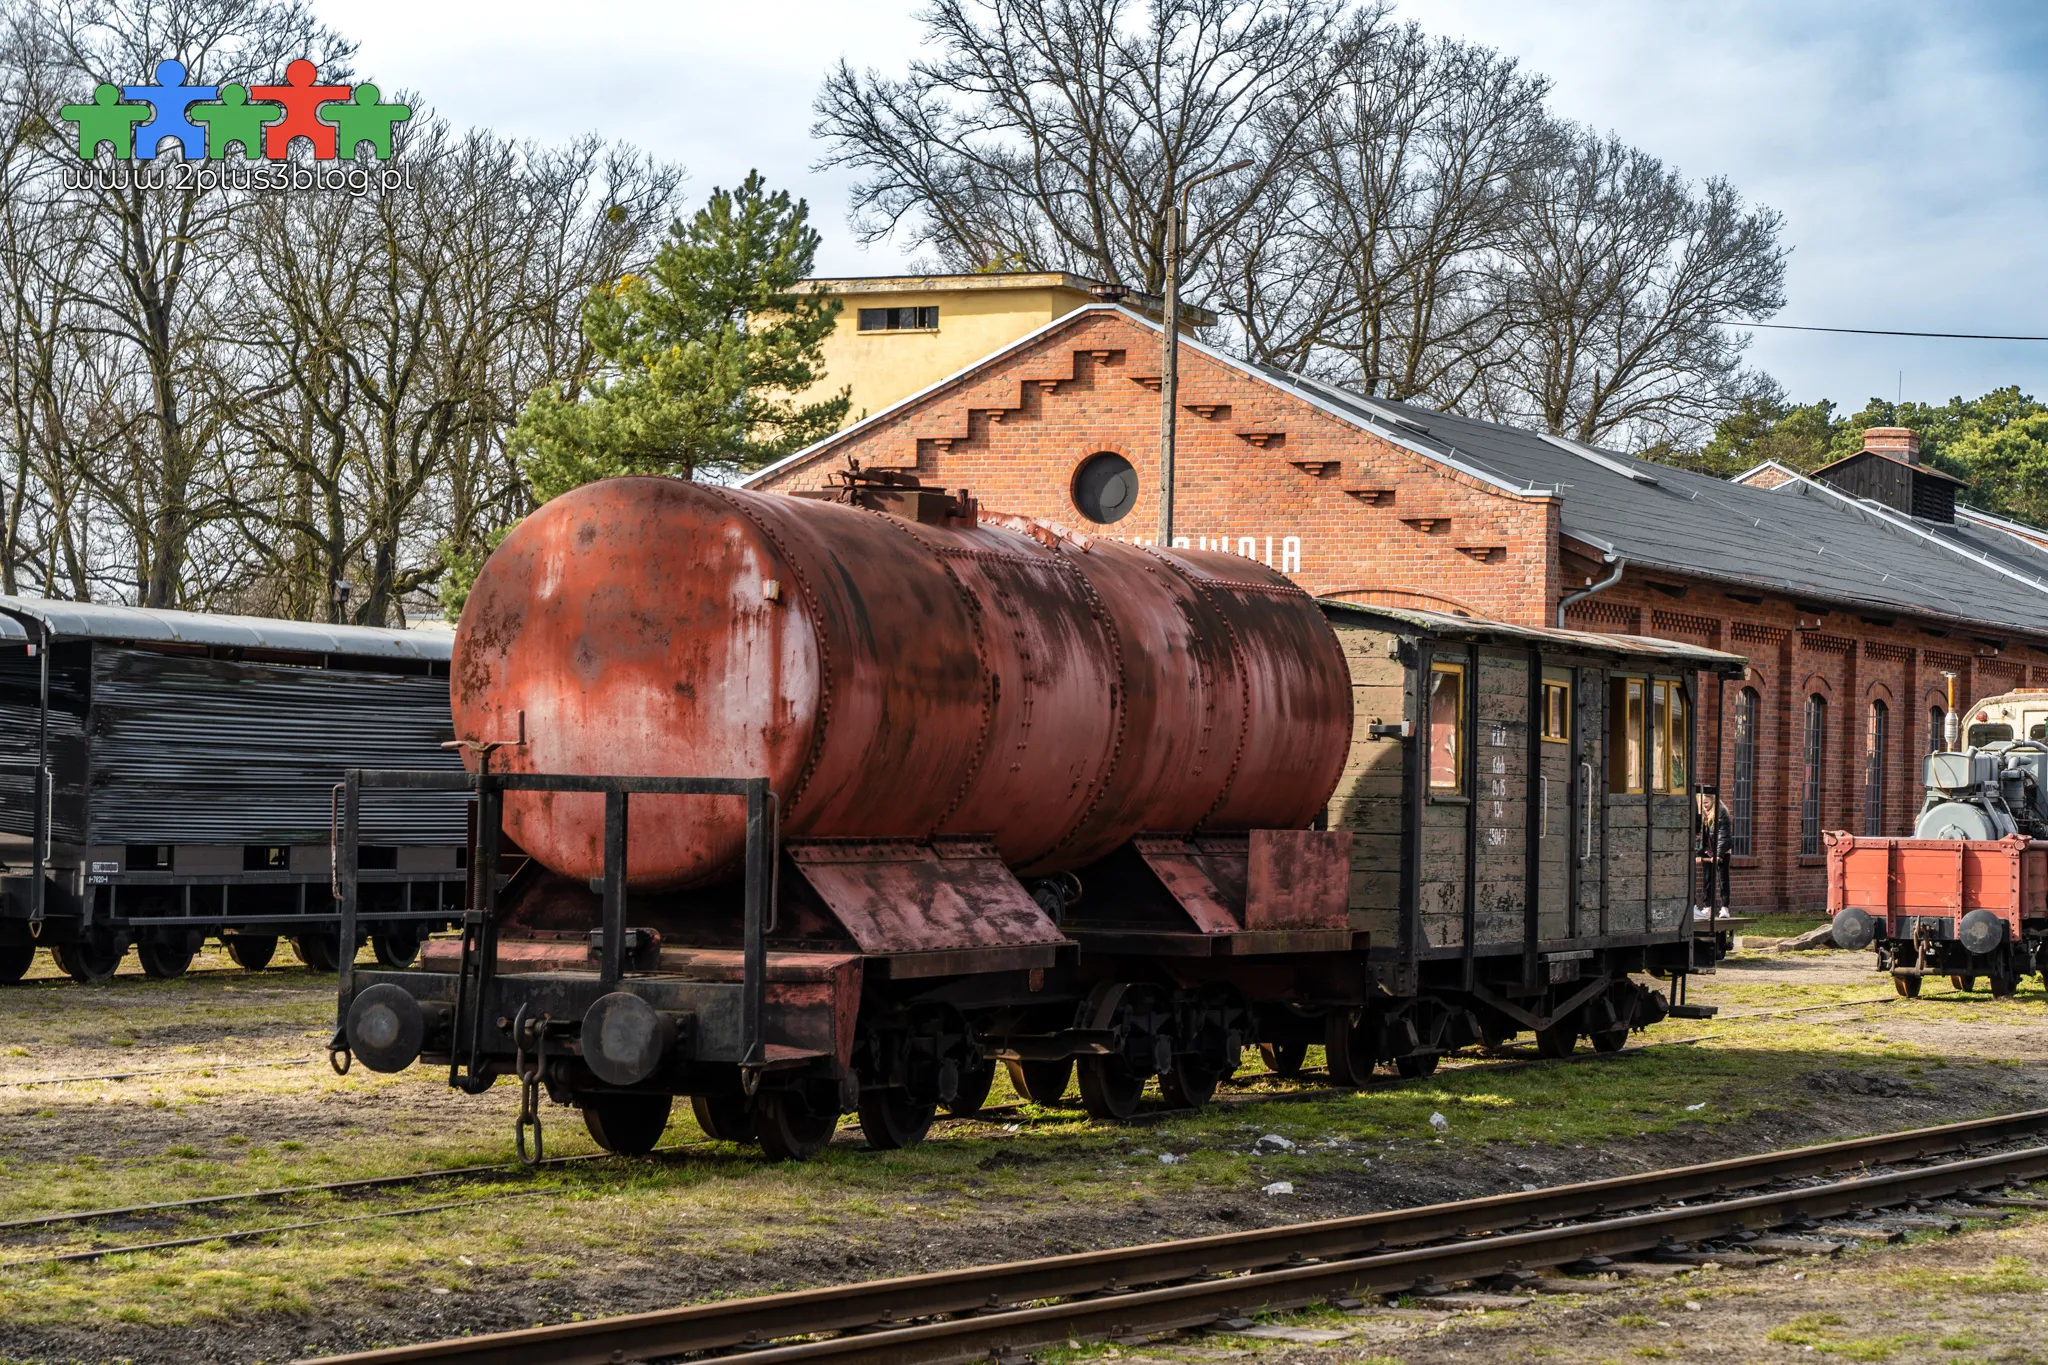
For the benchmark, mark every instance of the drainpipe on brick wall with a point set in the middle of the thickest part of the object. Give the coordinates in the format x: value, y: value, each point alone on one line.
x: 1619, y: 562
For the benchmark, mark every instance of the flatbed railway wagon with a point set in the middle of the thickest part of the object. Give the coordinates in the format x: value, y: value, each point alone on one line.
x: 165, y: 776
x: 1966, y: 897
x: 800, y: 806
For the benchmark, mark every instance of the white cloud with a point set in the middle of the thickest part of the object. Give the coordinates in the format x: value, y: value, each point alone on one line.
x: 1903, y: 142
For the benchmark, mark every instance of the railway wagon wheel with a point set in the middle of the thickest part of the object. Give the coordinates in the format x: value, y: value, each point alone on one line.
x: 397, y: 949
x: 251, y: 952
x: 724, y: 1118
x: 15, y: 960
x: 320, y: 952
x: 2004, y: 984
x: 973, y: 1090
x: 165, y: 957
x: 1110, y: 1090
x: 630, y: 1125
x: 1560, y: 1038
x: 1042, y: 1083
x: 1284, y: 1059
x: 1963, y: 983
x: 1416, y: 1064
x: 1190, y: 1084
x: 892, y: 1120
x: 1352, y: 1043
x: 789, y: 1129
x: 90, y: 959
x: 1908, y: 986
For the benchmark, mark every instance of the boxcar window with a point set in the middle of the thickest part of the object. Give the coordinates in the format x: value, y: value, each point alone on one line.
x: 1625, y: 736
x: 1937, y: 723
x: 1678, y: 740
x: 1446, y: 727
x: 1660, y: 736
x: 1557, y: 712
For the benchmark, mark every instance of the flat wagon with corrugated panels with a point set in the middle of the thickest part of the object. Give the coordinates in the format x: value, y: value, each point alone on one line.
x: 187, y: 767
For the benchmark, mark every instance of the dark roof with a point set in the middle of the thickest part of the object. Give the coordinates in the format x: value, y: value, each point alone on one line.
x: 108, y: 621
x: 1922, y: 470
x: 1801, y: 537
x: 1443, y: 624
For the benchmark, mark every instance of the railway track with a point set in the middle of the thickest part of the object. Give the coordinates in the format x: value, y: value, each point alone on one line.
x: 997, y: 1310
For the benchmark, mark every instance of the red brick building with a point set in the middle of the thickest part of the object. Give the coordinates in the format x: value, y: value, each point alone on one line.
x: 1850, y: 607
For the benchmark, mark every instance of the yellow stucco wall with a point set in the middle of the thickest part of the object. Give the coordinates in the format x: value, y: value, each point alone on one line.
x: 884, y: 367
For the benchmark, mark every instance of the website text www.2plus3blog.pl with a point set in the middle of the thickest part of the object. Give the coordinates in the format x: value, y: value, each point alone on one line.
x: 200, y: 176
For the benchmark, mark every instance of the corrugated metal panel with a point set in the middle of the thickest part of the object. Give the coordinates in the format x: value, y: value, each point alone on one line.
x: 20, y: 678
x: 100, y: 621
x: 198, y: 751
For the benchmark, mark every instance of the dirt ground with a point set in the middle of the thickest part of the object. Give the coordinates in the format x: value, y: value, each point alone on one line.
x: 706, y: 1219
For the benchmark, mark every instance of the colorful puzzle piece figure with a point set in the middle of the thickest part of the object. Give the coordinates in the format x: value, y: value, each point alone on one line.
x: 106, y: 119
x: 301, y: 100
x: 234, y: 119
x: 170, y: 97
x: 364, y: 120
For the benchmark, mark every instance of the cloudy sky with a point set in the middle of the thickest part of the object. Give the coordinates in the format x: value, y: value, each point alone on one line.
x: 1906, y: 144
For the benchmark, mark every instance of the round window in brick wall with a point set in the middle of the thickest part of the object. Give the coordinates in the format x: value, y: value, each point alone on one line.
x: 1105, y: 487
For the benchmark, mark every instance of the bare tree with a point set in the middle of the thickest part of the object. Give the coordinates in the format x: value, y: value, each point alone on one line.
x: 159, y: 260
x: 389, y: 336
x: 1625, y: 278
x: 1047, y: 134
x: 1382, y: 269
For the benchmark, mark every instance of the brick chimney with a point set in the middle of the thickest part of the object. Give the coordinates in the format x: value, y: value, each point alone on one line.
x: 1901, y: 443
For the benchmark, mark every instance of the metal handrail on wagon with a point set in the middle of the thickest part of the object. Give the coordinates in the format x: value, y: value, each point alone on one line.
x: 479, y: 921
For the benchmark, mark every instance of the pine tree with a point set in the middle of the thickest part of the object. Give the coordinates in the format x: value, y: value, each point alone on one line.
x: 705, y: 356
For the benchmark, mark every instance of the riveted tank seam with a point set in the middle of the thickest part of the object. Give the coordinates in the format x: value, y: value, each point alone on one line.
x: 1118, y: 703
x: 790, y: 800
x: 992, y: 680
x: 1244, y: 713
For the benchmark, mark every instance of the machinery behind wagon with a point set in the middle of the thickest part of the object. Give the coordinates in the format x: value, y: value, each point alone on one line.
x: 166, y: 776
x: 1966, y: 896
x: 804, y: 806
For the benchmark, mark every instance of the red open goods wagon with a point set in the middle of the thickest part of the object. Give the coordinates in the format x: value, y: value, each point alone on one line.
x: 1960, y: 908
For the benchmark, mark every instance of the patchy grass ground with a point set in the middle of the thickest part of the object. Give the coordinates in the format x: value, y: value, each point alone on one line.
x: 706, y: 1219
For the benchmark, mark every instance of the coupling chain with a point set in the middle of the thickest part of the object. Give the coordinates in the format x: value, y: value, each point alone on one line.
x: 529, y: 1083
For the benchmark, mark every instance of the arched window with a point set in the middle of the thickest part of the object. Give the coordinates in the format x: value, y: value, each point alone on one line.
x: 1937, y: 721
x: 1876, y: 752
x: 1743, y: 807
x: 1809, y: 795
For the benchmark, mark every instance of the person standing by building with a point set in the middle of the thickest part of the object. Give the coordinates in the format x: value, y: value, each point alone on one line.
x: 1713, y: 846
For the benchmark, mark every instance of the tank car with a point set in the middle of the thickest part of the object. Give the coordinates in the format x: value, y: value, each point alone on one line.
x: 1966, y: 896
x: 802, y: 806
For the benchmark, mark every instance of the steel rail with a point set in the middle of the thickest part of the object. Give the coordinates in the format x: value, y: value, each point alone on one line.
x: 1205, y: 1301
x: 165, y: 1071
x: 249, y: 1234
x: 366, y: 1182
x: 1249, y: 1255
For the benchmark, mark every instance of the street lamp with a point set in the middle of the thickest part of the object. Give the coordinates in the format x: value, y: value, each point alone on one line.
x: 1169, y: 369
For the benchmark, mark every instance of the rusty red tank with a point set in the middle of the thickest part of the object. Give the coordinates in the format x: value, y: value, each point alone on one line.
x: 896, y: 674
